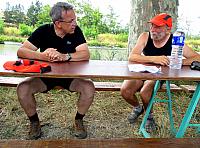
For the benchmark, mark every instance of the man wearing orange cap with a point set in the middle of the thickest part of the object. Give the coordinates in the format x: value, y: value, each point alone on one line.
x: 152, y: 47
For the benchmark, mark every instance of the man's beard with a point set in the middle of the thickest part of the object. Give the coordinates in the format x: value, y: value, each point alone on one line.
x: 157, y: 35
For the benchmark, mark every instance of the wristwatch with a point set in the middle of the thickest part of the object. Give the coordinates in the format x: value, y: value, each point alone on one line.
x: 68, y: 57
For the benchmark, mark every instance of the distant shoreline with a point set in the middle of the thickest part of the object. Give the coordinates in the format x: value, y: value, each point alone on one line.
x: 10, y: 43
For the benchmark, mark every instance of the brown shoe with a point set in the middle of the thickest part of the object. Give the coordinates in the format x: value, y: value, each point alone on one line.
x: 35, y: 131
x: 79, y: 129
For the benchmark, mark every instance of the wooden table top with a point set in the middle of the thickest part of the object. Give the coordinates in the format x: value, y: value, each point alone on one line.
x: 106, y: 70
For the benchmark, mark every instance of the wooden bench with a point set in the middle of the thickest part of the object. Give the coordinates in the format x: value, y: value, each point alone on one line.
x: 99, y: 86
x: 188, y: 88
x: 107, y: 143
x: 10, y: 81
x: 115, y: 86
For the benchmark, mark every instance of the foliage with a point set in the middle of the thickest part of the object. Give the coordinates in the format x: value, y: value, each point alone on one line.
x: 1, y: 26
x: 25, y: 30
x: 91, y: 20
x: 95, y: 55
x: 108, y: 53
x: 43, y: 16
x: 11, y: 38
x: 194, y: 44
x: 110, y: 20
x: 33, y: 12
x: 113, y: 40
x: 14, y: 14
x: 11, y: 31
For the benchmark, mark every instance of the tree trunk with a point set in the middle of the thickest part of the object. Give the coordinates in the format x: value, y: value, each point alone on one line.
x: 143, y: 10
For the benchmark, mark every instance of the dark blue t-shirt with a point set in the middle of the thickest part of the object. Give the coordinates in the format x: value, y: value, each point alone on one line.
x: 45, y: 37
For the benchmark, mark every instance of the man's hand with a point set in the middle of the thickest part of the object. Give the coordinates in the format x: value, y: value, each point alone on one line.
x: 53, y: 55
x: 162, y: 60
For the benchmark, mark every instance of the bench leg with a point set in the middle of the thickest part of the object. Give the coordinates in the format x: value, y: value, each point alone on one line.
x: 188, y: 115
x: 142, y: 126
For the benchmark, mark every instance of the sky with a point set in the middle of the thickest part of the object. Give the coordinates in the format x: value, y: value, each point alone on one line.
x: 188, y: 11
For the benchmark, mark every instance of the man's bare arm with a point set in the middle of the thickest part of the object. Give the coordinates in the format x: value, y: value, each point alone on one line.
x: 82, y: 53
x: 189, y: 55
x: 29, y: 51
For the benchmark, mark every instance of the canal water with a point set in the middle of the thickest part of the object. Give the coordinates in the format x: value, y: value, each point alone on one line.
x: 97, y: 53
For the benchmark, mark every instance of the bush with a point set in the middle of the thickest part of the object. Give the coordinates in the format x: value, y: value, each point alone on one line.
x: 11, y: 31
x: 90, y: 32
x: 1, y: 26
x: 113, y: 37
x: 97, y: 43
x: 122, y: 37
x: 11, y: 38
x: 110, y: 40
x: 194, y: 44
x: 25, y: 30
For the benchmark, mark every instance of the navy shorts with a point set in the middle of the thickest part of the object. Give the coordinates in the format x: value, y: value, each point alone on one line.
x: 53, y: 82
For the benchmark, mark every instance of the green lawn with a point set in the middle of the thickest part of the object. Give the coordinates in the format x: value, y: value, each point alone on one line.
x: 107, y: 117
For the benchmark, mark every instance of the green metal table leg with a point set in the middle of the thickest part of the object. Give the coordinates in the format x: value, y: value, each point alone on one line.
x: 142, y: 126
x: 188, y: 115
x: 171, y: 119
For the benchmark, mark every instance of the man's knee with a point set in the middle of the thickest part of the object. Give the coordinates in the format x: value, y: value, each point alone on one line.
x: 145, y: 94
x: 88, y: 89
x: 142, y: 94
x: 130, y: 87
x: 23, y: 89
x: 126, y: 93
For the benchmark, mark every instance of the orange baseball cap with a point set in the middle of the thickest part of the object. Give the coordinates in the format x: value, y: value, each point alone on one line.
x: 162, y: 19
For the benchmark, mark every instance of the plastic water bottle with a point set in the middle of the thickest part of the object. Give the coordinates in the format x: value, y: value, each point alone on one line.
x: 177, y: 50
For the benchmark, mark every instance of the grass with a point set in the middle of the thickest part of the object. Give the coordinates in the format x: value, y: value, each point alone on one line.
x: 106, y: 118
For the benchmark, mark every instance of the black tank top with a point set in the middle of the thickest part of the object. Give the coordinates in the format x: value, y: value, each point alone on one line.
x: 151, y: 50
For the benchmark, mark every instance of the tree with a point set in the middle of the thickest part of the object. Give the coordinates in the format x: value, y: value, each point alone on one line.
x: 143, y: 10
x: 90, y: 20
x: 113, y: 26
x: 14, y: 14
x: 43, y: 16
x: 93, y: 22
x: 33, y: 13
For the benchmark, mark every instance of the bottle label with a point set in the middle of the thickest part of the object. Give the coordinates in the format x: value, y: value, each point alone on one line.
x: 178, y: 40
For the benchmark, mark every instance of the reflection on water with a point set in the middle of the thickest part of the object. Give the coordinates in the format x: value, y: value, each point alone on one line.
x: 100, y: 53
x: 8, y: 50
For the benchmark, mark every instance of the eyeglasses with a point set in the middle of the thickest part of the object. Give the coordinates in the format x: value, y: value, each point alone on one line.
x: 68, y: 22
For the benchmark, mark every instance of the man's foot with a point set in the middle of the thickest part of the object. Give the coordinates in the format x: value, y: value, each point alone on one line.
x: 151, y: 126
x: 134, y: 115
x: 79, y: 129
x: 35, y: 131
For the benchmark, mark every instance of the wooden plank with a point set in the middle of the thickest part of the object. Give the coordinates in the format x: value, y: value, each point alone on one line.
x: 10, y: 81
x: 173, y: 88
x: 99, y: 86
x: 105, y: 143
x: 115, y: 86
x: 188, y: 88
x: 107, y: 86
